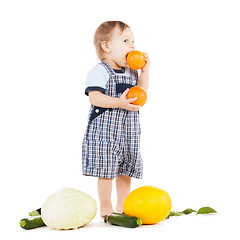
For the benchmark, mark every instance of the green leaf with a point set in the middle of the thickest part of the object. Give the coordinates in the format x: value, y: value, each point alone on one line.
x: 206, y: 210
x: 177, y: 213
x: 188, y: 211
x: 174, y: 214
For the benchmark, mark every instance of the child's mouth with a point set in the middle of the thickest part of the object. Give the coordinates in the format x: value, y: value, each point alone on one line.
x: 128, y: 53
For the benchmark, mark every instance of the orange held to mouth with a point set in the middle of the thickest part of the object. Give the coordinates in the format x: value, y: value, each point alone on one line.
x: 135, y: 60
x: 139, y: 93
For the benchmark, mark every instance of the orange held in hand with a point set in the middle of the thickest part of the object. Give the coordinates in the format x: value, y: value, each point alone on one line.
x: 135, y: 60
x: 150, y: 204
x: 139, y: 93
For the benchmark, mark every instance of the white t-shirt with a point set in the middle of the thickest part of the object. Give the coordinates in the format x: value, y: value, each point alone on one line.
x: 98, y: 77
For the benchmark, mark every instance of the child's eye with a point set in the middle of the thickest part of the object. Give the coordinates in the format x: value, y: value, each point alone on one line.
x: 126, y: 40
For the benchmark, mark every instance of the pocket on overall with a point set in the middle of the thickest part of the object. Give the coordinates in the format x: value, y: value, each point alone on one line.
x: 97, y: 111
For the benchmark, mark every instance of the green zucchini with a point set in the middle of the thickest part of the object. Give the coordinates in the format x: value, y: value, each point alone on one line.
x: 27, y: 223
x: 120, y: 219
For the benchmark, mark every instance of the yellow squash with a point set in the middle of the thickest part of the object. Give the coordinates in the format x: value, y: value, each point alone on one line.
x: 148, y: 203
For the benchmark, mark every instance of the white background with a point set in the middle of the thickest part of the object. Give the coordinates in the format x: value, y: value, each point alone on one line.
x: 190, y: 124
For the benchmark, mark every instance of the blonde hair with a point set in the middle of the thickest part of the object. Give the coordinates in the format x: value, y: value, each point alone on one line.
x: 104, y: 32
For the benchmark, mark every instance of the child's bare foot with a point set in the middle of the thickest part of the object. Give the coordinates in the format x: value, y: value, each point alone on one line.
x: 119, y: 209
x: 105, y: 211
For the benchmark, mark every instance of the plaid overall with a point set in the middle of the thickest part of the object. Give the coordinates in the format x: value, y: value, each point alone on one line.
x: 111, y: 144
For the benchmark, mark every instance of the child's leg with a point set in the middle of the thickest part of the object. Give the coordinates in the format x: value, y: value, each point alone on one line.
x: 123, y: 183
x: 105, y: 192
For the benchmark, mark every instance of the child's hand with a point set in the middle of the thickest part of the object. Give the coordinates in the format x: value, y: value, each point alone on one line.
x: 125, y: 103
x: 147, y: 64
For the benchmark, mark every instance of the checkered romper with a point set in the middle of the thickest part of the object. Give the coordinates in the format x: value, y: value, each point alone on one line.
x: 111, y: 144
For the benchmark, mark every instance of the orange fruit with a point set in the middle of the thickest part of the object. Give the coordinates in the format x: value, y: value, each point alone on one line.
x: 135, y: 60
x: 148, y: 203
x: 139, y: 93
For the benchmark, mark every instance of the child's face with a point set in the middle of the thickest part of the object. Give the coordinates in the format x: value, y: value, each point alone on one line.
x: 120, y: 45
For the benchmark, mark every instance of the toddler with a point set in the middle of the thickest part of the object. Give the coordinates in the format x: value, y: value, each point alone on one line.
x: 111, y: 144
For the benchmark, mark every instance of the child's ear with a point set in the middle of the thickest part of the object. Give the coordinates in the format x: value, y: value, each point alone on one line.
x: 105, y: 46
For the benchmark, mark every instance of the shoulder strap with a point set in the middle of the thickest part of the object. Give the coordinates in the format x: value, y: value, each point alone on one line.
x: 134, y: 73
x: 108, y: 68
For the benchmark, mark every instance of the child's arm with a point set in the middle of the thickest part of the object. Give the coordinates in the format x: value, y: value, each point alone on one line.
x: 144, y: 76
x: 99, y: 99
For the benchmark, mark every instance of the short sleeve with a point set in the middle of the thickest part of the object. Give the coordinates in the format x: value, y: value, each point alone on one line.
x: 97, y: 79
